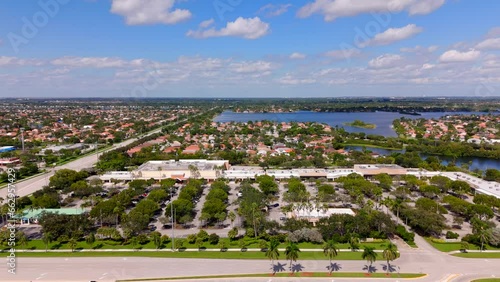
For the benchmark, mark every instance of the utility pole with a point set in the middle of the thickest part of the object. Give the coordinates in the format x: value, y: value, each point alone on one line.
x: 172, y: 217
x: 96, y: 152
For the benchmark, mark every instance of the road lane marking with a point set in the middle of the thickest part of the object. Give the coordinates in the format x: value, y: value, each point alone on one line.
x: 451, y: 277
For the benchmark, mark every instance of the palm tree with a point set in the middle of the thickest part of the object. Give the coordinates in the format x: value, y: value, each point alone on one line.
x: 484, y: 236
x: 369, y: 255
x: 272, y: 252
x: 232, y: 217
x: 330, y: 250
x: 354, y: 242
x: 292, y: 252
x: 390, y: 253
x: 134, y: 242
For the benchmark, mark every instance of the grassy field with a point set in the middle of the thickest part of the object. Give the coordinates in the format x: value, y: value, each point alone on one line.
x: 108, y: 244
x: 299, y: 274
x: 478, y: 255
x: 368, y: 146
x: 487, y: 280
x: 448, y: 247
x: 199, y: 254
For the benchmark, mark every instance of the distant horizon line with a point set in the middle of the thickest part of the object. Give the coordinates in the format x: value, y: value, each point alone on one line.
x: 249, y: 98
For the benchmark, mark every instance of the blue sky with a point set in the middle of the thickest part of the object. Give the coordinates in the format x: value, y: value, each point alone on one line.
x: 244, y: 48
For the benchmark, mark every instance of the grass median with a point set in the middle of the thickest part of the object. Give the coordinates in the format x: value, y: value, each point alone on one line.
x: 288, y: 274
x: 478, y: 255
x: 191, y: 254
x: 110, y: 244
x: 455, y: 246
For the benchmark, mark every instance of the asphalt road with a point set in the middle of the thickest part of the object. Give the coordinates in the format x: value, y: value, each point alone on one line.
x: 29, y: 186
x: 439, y: 267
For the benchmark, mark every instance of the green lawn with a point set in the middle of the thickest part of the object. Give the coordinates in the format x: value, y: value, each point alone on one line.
x: 368, y: 146
x: 478, y: 255
x: 198, y: 254
x: 448, y: 247
x: 108, y: 244
x: 288, y: 274
x: 487, y: 280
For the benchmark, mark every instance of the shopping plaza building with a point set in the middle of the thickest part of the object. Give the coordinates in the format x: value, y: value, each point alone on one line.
x: 214, y: 169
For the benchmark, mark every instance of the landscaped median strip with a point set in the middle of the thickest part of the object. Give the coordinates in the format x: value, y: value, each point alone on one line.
x: 288, y: 274
x: 316, y: 255
x: 483, y: 254
x: 177, y: 251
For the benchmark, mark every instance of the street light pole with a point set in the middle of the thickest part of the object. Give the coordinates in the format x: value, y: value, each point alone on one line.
x: 172, y: 217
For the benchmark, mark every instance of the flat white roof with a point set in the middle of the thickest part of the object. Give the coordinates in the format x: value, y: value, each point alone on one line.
x: 491, y: 188
x: 319, y: 213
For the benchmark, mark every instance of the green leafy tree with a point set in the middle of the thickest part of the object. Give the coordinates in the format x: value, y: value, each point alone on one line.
x: 202, y: 235
x: 134, y: 242
x: 242, y: 244
x: 157, y: 239
x: 464, y: 246
x: 213, y: 239
x: 47, y: 239
x: 222, y: 245
x: 90, y: 240
x: 233, y: 234
x: 23, y: 240
x: 179, y: 244
x: 354, y: 243
x: 199, y: 243
x: 72, y: 244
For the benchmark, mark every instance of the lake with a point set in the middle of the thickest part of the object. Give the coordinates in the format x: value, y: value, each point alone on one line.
x: 383, y: 120
x: 475, y: 163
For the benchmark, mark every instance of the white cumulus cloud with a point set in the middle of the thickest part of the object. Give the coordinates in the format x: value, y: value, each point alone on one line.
x: 91, y: 62
x: 14, y: 61
x: 272, y: 10
x: 333, y: 9
x: 207, y: 23
x: 249, y: 28
x: 251, y: 67
x: 143, y: 12
x: 454, y: 56
x: 343, y: 53
x: 489, y: 44
x: 392, y: 35
x: 385, y: 61
x: 297, y: 56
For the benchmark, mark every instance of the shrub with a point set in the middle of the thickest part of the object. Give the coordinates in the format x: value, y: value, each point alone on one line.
x: 305, y: 235
x: 263, y: 244
x: 404, y: 234
x: 202, y: 235
x: 451, y: 235
x: 250, y: 232
x: 213, y: 239
x: 142, y: 239
x: 191, y: 238
x: 280, y: 237
x: 472, y: 239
